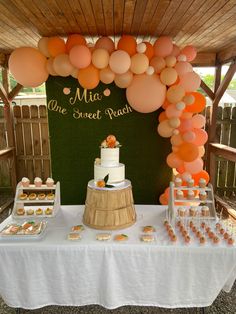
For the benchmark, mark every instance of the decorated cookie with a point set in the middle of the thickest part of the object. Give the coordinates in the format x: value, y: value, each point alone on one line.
x: 77, y: 228
x: 103, y: 236
x: 148, y: 229
x: 121, y: 237
x: 74, y: 236
x: 147, y: 238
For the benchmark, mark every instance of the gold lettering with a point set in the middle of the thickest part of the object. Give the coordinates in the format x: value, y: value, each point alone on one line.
x: 53, y: 106
x: 86, y: 115
x: 116, y: 113
x: 85, y: 96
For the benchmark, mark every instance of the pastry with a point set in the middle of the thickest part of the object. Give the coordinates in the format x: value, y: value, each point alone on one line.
x: 30, y: 212
x: 211, y: 234
x: 226, y: 235
x: 121, y: 237
x: 190, y: 195
x: 205, y: 211
x: 32, y: 196
x: 41, y: 196
x: 202, y: 195
x: 179, y: 195
x: 198, y: 234
x: 148, y: 229
x: 49, y: 182
x: 28, y: 224
x: 190, y: 183
x: 187, y: 239
x: 147, y: 238
x: 48, y: 211
x: 23, y: 196
x: 77, y: 228
x: 192, y: 211
x: 50, y: 196
x: 181, y: 211
x: 74, y: 236
x: 173, y: 238
x: 20, y: 211
x: 203, y: 224
x: 230, y: 241
x: 39, y: 211
x: 202, y: 183
x: 103, y: 236
x: 178, y: 182
x: 216, y: 240
x: 11, y: 229
x: 38, y: 182
x: 202, y: 240
x: 25, y: 182
x: 222, y: 230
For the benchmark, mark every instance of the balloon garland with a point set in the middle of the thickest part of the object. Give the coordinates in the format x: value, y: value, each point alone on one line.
x: 154, y: 76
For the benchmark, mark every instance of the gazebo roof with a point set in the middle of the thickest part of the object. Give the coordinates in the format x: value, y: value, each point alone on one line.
x: 207, y: 24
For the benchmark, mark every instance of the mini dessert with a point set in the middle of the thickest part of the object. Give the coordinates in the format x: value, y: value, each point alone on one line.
x: 32, y: 196
x: 77, y: 228
x: 49, y: 182
x: 184, y: 232
x: 208, y: 229
x: 11, y: 229
x: 170, y: 232
x: 222, y: 230
x: 38, y: 182
x: 216, y: 240
x: 41, y: 196
x: 103, y: 236
x: 202, y: 195
x: 205, y: 211
x: 25, y: 182
x: 173, y: 238
x: 165, y: 222
x: 23, y: 196
x: 187, y: 239
x: 181, y: 211
x: 203, y: 225
x: 121, y: 237
x: 218, y: 225
x: 20, y: 211
x: 178, y: 182
x: 202, y: 183
x: 181, y: 228
x: 30, y: 212
x: 192, y: 211
x: 179, y: 195
x: 191, y: 224
x: 74, y: 236
x: 50, y: 196
x: 178, y: 223
x: 211, y: 234
x: 147, y: 238
x: 39, y: 211
x: 28, y: 224
x: 48, y: 211
x: 230, y: 241
x: 198, y: 234
x: 194, y: 229
x: 226, y: 235
x: 190, y: 195
x: 148, y: 229
x: 190, y: 183
x: 202, y: 240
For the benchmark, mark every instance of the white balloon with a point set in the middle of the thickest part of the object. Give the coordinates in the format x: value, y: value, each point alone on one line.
x: 175, y: 132
x: 150, y: 70
x: 180, y: 105
x: 182, y: 58
x: 141, y: 48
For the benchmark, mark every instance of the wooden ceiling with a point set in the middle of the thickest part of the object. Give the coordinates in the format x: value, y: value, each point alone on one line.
x: 210, y: 25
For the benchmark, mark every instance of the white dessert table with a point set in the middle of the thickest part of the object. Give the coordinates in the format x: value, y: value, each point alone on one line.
x: 55, y: 271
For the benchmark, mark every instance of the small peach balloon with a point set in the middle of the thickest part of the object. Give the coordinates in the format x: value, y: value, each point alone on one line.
x: 107, y: 76
x: 100, y: 58
x: 170, y: 61
x: 175, y: 93
x: 158, y: 63
x: 105, y: 43
x: 119, y: 61
x: 190, y: 52
x: 123, y: 80
x: 80, y: 56
x: 139, y: 63
x: 168, y: 76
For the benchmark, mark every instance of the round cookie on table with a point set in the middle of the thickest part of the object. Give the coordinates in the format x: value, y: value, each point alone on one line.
x: 32, y: 196
x: 147, y: 238
x: 23, y: 196
x: 148, y: 229
x: 20, y: 211
x: 77, y: 228
x: 74, y: 236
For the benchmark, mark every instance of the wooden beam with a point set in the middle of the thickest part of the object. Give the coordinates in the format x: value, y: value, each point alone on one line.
x: 15, y: 91
x: 227, y: 54
x: 224, y: 151
x: 5, y: 80
x: 2, y: 59
x: 217, y: 77
x: 3, y: 94
x: 207, y: 90
x: 204, y: 59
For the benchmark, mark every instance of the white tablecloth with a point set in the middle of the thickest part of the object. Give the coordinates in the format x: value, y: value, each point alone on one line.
x: 54, y: 270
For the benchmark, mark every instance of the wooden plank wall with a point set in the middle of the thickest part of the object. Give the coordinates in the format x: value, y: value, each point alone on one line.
x: 4, y: 166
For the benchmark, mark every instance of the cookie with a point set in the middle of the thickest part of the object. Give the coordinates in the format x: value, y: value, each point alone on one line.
x: 103, y: 236
x: 121, y: 237
x: 74, y: 236
x: 77, y: 228
x: 148, y: 229
x: 147, y: 238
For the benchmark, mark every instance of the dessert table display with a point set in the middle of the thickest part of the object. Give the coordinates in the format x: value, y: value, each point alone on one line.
x: 113, y: 268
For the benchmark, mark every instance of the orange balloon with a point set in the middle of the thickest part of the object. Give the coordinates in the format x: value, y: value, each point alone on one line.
x: 88, y: 77
x: 128, y: 44
x: 73, y: 40
x: 202, y: 174
x: 199, y: 103
x: 166, y: 104
x: 149, y: 50
x: 162, y: 116
x: 188, y: 152
x: 163, y: 200
x: 56, y: 46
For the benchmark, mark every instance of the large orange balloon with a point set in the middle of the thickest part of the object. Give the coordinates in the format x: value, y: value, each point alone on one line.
x: 188, y: 152
x: 149, y: 52
x: 202, y: 174
x: 163, y: 200
x: 56, y: 46
x: 163, y: 46
x: 88, y: 77
x: 162, y: 116
x: 73, y: 40
x: 128, y: 44
x: 199, y: 103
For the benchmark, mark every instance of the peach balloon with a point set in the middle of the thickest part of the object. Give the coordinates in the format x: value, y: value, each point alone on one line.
x: 175, y: 93
x: 201, y: 137
x: 175, y: 51
x: 168, y: 76
x: 194, y: 166
x: 188, y: 99
x: 163, y: 200
x: 190, y: 81
x: 50, y: 68
x: 201, y: 175
x: 80, y: 56
x: 166, y: 104
x: 119, y: 62
x: 190, y: 53
x: 56, y: 46
x: 199, y: 103
x: 74, y: 40
x: 170, y: 61
x: 43, y: 46
x: 198, y: 121
x: 105, y: 43
x: 183, y: 67
x: 186, y: 125
x: 62, y: 65
x: 88, y: 77
x: 123, y: 80
x: 28, y: 66
x: 158, y: 63
x: 172, y: 112
x: 186, y: 115
x: 127, y: 43
x: 176, y: 140
x: 188, y: 152
x: 163, y: 46
x: 141, y: 86
x: 164, y: 129
x: 107, y: 76
x: 162, y: 116
x: 74, y: 73
x: 100, y: 58
x: 139, y: 63
x: 174, y: 122
x: 189, y: 136
x: 149, y: 52
x: 173, y: 161
x: 201, y: 150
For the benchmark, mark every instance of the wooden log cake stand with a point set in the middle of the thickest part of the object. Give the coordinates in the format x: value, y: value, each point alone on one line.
x: 109, y: 208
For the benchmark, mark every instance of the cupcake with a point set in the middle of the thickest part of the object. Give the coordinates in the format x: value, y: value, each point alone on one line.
x: 49, y: 182
x: 202, y: 195
x: 190, y: 195
x: 38, y: 182
x: 205, y: 211
x: 190, y: 183
x: 32, y: 196
x: 39, y: 211
x: 192, y: 211
x: 202, y: 183
x: 181, y: 212
x: 25, y: 182
x: 20, y: 211
x: 30, y: 212
x: 178, y: 182
x: 179, y: 195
